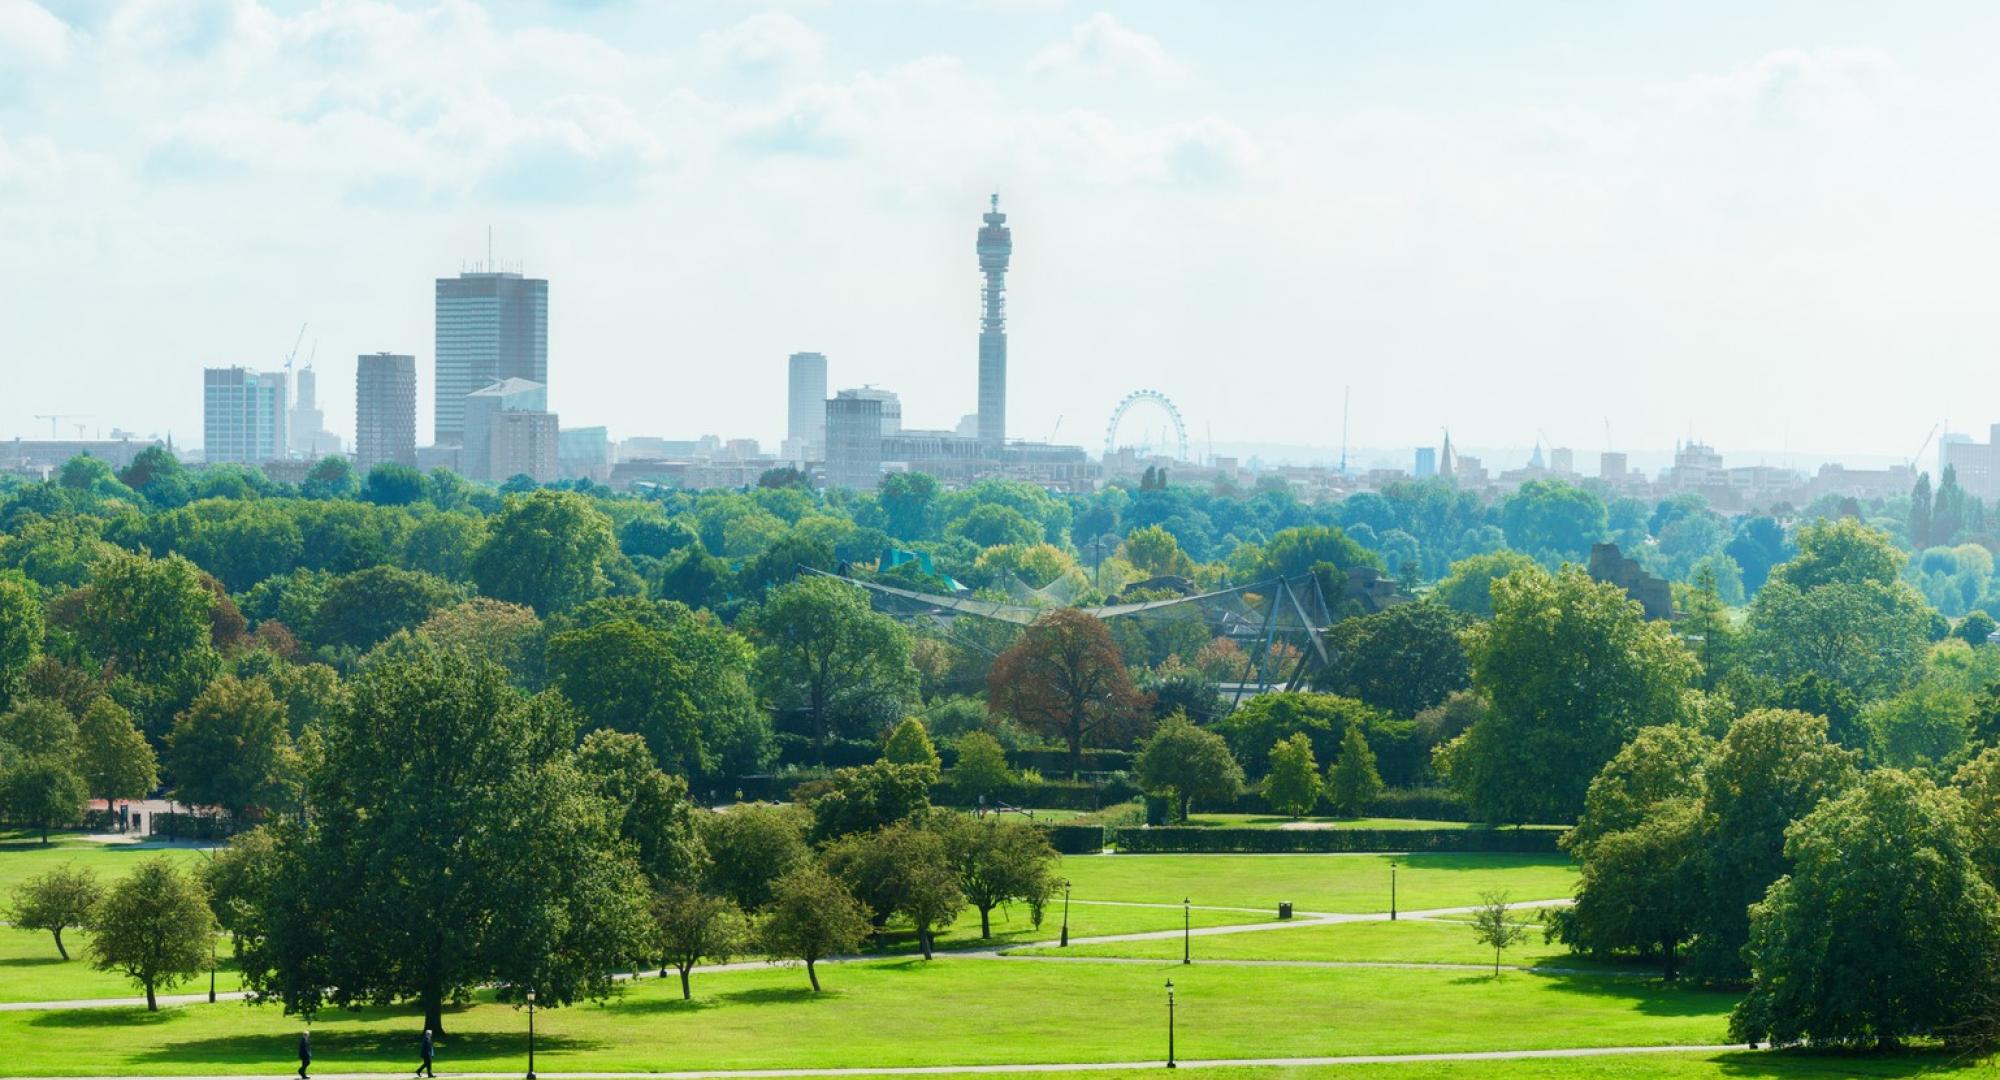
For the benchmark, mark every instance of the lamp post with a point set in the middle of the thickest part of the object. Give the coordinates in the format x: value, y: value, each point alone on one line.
x: 1065, y: 928
x: 531, y: 1035
x: 1187, y: 932
x: 1170, y: 1025
x: 1392, y: 890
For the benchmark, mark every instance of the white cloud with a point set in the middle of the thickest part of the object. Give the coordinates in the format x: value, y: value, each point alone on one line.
x: 1103, y: 47
x: 29, y: 34
x: 770, y: 43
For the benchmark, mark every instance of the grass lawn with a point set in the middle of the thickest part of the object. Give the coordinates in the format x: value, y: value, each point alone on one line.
x: 1011, y: 925
x: 907, y: 1012
x: 30, y: 970
x: 1404, y: 941
x: 1722, y: 1066
x: 22, y: 858
x: 1342, y: 883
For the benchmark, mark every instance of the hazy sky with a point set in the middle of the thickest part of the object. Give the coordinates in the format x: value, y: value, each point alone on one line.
x: 1769, y: 225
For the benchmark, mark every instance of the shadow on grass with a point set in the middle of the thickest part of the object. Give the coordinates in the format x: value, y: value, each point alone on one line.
x: 1822, y: 1063
x: 1477, y: 861
x: 334, y: 1050
x: 33, y: 961
x: 119, y: 1017
x: 1652, y: 996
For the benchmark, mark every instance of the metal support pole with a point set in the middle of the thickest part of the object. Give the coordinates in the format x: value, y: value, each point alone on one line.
x: 531, y: 1035
x: 1065, y: 928
x: 1392, y: 890
x: 1187, y: 933
x: 1170, y: 1025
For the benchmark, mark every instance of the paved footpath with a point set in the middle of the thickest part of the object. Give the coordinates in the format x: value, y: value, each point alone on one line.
x: 1039, y: 1067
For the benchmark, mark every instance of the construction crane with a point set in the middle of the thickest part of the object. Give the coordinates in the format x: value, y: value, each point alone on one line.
x: 52, y: 418
x: 1053, y: 430
x: 292, y: 356
x: 1932, y: 434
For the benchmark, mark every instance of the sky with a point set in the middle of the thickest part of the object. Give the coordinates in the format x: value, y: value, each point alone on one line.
x: 1772, y: 227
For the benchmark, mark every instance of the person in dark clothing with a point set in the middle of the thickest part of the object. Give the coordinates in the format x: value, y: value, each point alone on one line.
x: 305, y: 1053
x: 424, y: 1066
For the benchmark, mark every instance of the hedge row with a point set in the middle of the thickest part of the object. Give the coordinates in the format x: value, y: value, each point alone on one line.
x: 1204, y: 840
x: 1075, y: 839
x: 1052, y: 762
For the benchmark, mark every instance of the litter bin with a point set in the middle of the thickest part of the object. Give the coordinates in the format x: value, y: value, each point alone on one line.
x: 1285, y: 910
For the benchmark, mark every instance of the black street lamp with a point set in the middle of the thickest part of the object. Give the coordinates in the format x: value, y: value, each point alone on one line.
x: 1170, y: 1025
x: 1187, y: 932
x: 531, y: 1035
x: 1065, y: 932
x: 1392, y: 890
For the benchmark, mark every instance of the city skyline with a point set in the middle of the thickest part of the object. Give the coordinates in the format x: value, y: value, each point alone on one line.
x: 1669, y: 224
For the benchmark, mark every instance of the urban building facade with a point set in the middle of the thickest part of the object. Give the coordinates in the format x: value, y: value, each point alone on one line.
x: 385, y: 410
x: 307, y: 422
x: 523, y: 444
x: 243, y: 415
x: 1976, y: 466
x: 853, y: 441
x: 584, y: 454
x: 490, y: 327
x: 482, y: 409
x: 805, y: 413
x: 996, y: 247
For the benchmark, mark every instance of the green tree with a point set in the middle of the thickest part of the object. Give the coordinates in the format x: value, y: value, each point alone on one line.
x: 114, y: 757
x: 1553, y: 519
x: 42, y: 792
x: 391, y: 483
x: 627, y: 676
x: 1065, y: 678
x: 981, y: 770
x: 39, y: 727
x: 444, y: 545
x: 1255, y: 728
x: 1572, y: 671
x: 545, y: 549
x: 1404, y: 659
x: 1186, y: 764
x: 1493, y: 924
x: 56, y: 900
x: 1770, y: 769
x: 870, y: 797
x: 693, y: 926
x: 997, y: 862
x: 453, y: 843
x: 811, y: 916
x: 1352, y: 783
x: 1660, y: 764
x: 1978, y: 782
x: 910, y: 744
x: 147, y: 616
x: 1883, y: 930
x: 232, y: 748
x: 1292, y: 787
x: 695, y: 578
x: 824, y: 655
x: 652, y: 808
x: 1641, y: 887
x: 1468, y: 587
x: 20, y: 633
x: 1977, y: 628
x: 505, y: 634
x: 752, y: 845
x: 363, y: 608
x: 154, y: 927
x: 909, y: 501
x: 331, y: 477
x: 1155, y: 553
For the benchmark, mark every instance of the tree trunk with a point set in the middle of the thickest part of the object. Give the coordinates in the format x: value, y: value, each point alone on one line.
x: 1496, y: 963
x: 1075, y: 751
x: 59, y: 945
x: 434, y: 1012
x: 152, y: 1003
x: 1667, y: 948
x: 813, y: 975
x: 924, y: 941
x: 685, y: 992
x: 985, y: 922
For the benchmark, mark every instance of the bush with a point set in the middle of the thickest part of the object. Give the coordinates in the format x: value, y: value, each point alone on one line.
x: 1200, y: 840
x: 1070, y: 838
x: 1057, y: 761
x: 1425, y: 803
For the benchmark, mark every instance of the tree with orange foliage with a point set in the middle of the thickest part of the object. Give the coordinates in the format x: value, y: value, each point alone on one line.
x: 1066, y: 679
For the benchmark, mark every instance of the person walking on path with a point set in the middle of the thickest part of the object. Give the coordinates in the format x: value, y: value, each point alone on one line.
x: 305, y: 1052
x: 424, y: 1066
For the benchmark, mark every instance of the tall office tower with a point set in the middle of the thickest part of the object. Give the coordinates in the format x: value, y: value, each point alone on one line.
x: 853, y: 441
x: 805, y: 415
x: 524, y: 444
x: 490, y: 327
x: 482, y: 407
x: 385, y: 410
x: 305, y: 420
x: 243, y: 415
x: 1427, y: 461
x: 996, y: 246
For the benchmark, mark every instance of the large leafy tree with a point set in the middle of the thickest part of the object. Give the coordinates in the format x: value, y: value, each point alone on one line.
x: 1641, y: 887
x: 364, y: 607
x: 1187, y: 765
x: 751, y: 845
x: 20, y: 633
x: 1572, y: 670
x: 41, y: 791
x: 1404, y: 659
x: 154, y: 927
x: 150, y: 617
x: 1065, y: 678
x: 652, y: 807
x: 232, y: 748
x: 453, y: 843
x: 1293, y: 786
x: 1660, y: 763
x: 811, y: 916
x: 825, y: 657
x: 1352, y: 783
x: 693, y: 926
x: 1839, y: 611
x: 547, y: 550
x: 113, y: 756
x: 1770, y: 769
x: 997, y: 862
x: 56, y: 900
x: 1553, y: 519
x: 1884, y: 930
x: 1268, y: 719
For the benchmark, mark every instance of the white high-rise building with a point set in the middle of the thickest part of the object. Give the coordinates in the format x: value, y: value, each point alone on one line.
x: 805, y: 413
x: 243, y: 415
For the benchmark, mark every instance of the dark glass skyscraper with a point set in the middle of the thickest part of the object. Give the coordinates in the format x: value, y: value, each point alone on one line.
x: 385, y: 410
x: 490, y: 327
x: 996, y: 247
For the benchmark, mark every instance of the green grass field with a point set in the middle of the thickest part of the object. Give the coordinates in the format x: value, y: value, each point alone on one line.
x: 908, y: 1012
x: 1269, y: 821
x: 31, y: 970
x: 21, y: 859
x: 1342, y: 883
x: 1403, y: 942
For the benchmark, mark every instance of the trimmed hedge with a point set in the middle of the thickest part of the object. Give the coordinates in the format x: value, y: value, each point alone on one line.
x: 1075, y: 839
x: 1051, y: 762
x: 1426, y: 803
x: 1205, y: 840
x: 1047, y: 795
